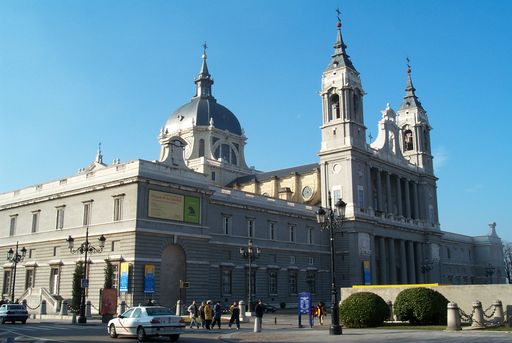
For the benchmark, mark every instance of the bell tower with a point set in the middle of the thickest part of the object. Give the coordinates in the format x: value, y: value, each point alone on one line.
x: 342, y: 101
x: 414, y: 129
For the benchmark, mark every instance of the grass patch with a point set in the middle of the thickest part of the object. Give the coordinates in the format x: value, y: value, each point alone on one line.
x: 402, y: 326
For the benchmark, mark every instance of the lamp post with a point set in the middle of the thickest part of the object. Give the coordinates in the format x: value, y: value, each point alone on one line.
x: 15, y: 257
x: 85, y: 248
x: 426, y: 267
x: 489, y: 271
x: 250, y: 254
x: 331, y: 220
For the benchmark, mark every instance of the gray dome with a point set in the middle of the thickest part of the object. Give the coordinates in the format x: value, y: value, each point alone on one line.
x: 200, y: 110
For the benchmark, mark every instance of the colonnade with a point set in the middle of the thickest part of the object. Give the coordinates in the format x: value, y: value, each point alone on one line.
x: 398, y: 261
x: 394, y: 194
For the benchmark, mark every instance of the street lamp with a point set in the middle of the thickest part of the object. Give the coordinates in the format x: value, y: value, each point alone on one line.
x: 331, y: 220
x: 250, y: 254
x: 489, y: 271
x: 85, y: 248
x: 426, y: 267
x: 15, y: 257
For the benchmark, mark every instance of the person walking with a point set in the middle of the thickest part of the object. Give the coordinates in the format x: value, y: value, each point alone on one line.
x: 217, y: 313
x: 259, y: 316
x: 193, y: 311
x: 201, y: 313
x: 208, y: 314
x: 321, y: 312
x: 235, y: 316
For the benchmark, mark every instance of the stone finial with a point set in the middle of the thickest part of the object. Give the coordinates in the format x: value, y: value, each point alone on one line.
x: 492, y: 229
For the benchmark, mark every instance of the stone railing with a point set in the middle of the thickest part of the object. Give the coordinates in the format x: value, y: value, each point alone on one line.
x: 479, y: 318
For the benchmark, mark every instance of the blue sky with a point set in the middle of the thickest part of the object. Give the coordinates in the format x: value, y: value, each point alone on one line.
x: 75, y: 73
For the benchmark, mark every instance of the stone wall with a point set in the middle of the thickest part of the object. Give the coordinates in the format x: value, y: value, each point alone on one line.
x: 463, y: 295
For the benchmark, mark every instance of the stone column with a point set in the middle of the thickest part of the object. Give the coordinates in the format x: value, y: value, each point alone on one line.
x: 379, y: 190
x: 373, y: 262
x: 369, y: 188
x: 418, y: 257
x: 392, y: 261
x: 383, y: 269
x: 416, y: 200
x: 399, y: 195
x: 410, y: 262
x: 407, y: 200
x: 389, y: 208
x: 403, y: 262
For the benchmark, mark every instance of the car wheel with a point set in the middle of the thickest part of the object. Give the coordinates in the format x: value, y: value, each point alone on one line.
x: 174, y: 338
x: 112, y: 331
x: 141, y: 334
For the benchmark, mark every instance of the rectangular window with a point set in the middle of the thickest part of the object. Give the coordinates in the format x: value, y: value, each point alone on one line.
x: 118, y: 208
x: 115, y: 245
x: 253, y: 281
x: 250, y: 227
x: 12, y: 227
x: 272, y: 282
x: 272, y: 231
x: 31, y: 253
x: 360, y: 197
x: 226, y: 224
x: 54, y: 280
x: 29, y: 278
x: 291, y: 229
x: 87, y: 213
x: 336, y: 194
x: 226, y: 281
x: 310, y: 235
x: 292, y: 281
x: 213, y: 176
x: 311, y: 281
x: 35, y: 221
x: 6, y: 289
x: 311, y: 260
x: 60, y: 218
x: 292, y: 259
x: 56, y: 251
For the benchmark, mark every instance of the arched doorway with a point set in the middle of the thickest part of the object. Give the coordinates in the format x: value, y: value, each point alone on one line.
x: 173, y: 269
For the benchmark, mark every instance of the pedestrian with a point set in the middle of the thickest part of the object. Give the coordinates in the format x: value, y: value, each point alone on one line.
x: 217, y: 313
x: 201, y: 313
x: 208, y: 314
x: 259, y: 316
x: 193, y: 311
x: 321, y: 312
x: 235, y: 316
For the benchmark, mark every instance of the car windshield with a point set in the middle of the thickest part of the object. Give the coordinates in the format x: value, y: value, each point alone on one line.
x: 16, y: 307
x: 158, y: 311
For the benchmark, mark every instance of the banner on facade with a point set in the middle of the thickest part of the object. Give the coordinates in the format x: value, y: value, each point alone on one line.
x: 109, y: 301
x: 366, y: 273
x: 123, y: 277
x: 149, y: 278
x: 171, y: 206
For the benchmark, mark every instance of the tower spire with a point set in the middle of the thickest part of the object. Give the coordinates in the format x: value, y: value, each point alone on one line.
x: 99, y: 156
x: 410, y: 98
x: 204, y: 80
x: 340, y: 58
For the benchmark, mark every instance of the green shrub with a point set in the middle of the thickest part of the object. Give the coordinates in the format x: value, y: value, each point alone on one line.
x: 363, y: 309
x: 421, y: 306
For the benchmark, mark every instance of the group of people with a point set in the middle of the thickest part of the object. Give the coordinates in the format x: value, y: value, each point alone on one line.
x: 207, y: 315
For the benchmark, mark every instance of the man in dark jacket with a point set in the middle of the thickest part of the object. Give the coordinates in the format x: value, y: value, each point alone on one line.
x: 259, y: 316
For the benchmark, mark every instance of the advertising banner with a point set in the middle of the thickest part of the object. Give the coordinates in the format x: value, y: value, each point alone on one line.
x: 123, y: 277
x: 366, y: 272
x: 191, y: 210
x: 183, y: 208
x: 109, y: 301
x: 149, y: 278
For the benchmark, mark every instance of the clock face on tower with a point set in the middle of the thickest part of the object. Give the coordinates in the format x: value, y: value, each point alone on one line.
x: 307, y: 192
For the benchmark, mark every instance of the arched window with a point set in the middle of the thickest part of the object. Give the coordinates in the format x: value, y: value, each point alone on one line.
x: 408, y: 140
x: 201, y: 148
x: 335, y: 106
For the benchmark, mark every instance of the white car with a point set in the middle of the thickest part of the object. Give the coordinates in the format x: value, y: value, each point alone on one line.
x: 147, y: 321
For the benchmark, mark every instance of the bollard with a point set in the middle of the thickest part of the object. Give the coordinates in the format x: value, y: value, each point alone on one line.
x: 390, y: 306
x: 64, y: 308
x: 122, y: 307
x: 257, y: 324
x: 478, y: 315
x: 498, y: 317
x: 453, y: 317
x: 73, y: 318
x: 179, y: 306
x: 88, y: 309
x: 42, y: 309
x: 241, y: 306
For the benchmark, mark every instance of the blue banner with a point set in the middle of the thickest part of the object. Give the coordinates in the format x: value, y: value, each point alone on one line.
x: 123, y: 278
x: 149, y: 278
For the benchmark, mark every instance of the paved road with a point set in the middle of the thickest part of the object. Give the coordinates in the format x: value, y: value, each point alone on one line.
x: 285, y: 331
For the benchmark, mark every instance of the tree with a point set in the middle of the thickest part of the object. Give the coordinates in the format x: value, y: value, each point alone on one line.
x: 507, y: 255
x: 77, y: 287
x: 109, y: 275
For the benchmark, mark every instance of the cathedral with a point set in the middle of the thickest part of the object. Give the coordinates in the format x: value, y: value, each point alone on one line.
x: 190, y: 217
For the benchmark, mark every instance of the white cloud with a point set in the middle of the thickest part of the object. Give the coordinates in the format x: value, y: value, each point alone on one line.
x: 441, y: 156
x: 474, y: 188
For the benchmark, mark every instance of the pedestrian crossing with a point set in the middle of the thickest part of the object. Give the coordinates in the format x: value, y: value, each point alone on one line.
x: 40, y: 327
